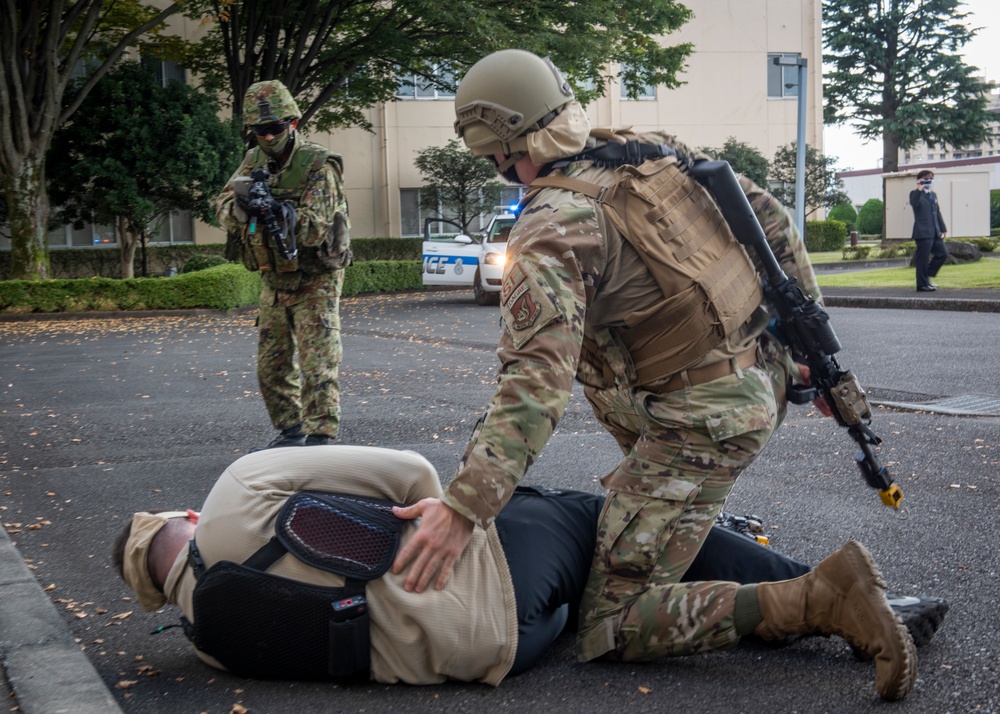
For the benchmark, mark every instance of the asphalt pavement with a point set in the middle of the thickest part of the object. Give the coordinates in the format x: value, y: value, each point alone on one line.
x: 105, y: 415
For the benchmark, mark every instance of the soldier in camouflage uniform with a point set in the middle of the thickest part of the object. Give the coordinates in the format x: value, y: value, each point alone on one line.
x: 300, y: 295
x: 658, y: 311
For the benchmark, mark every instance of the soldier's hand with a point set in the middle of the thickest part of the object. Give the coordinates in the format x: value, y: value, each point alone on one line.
x: 820, y: 401
x: 437, y: 545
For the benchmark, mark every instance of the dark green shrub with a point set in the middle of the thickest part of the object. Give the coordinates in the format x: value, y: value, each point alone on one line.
x: 364, y: 249
x: 985, y: 245
x: 823, y: 236
x: 221, y: 288
x: 382, y: 276
x: 200, y: 261
x: 994, y: 211
x: 857, y: 252
x: 843, y: 212
x: 870, y: 217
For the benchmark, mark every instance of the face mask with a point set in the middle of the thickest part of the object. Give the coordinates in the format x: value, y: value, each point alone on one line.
x: 274, y: 147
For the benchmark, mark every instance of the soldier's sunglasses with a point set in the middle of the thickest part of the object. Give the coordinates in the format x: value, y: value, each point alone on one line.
x: 273, y: 129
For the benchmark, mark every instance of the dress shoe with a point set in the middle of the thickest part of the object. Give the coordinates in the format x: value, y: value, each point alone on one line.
x: 926, y: 289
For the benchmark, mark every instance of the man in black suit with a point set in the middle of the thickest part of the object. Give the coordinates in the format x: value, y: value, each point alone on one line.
x: 929, y: 231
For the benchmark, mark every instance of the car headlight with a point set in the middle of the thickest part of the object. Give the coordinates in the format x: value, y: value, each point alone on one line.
x: 495, y: 258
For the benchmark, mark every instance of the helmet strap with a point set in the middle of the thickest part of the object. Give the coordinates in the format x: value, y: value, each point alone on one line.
x: 507, y: 170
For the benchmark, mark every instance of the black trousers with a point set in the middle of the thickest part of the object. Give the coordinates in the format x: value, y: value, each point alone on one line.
x: 549, y: 536
x: 930, y: 256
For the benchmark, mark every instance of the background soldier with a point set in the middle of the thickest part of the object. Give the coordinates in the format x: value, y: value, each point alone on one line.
x: 294, y: 229
x: 659, y: 314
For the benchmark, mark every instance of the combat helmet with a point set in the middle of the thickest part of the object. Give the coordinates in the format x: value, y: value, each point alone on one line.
x: 269, y: 101
x: 505, y: 95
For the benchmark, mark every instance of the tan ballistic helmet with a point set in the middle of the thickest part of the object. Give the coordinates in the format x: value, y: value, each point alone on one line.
x: 267, y: 102
x: 505, y: 95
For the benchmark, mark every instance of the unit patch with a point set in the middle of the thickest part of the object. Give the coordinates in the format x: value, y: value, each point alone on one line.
x: 526, y: 302
x: 517, y: 300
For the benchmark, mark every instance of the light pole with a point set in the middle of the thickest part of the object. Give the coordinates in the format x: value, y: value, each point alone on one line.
x: 800, y: 143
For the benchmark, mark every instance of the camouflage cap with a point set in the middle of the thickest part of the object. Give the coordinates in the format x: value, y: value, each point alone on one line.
x: 268, y: 101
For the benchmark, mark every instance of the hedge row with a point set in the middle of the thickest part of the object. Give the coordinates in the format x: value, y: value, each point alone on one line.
x: 220, y: 288
x: 105, y: 262
x: 823, y: 236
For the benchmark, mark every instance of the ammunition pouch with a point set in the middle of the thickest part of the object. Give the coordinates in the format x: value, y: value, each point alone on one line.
x: 265, y: 626
x: 334, y: 253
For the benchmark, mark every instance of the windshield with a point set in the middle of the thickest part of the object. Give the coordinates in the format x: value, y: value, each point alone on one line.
x: 500, y: 231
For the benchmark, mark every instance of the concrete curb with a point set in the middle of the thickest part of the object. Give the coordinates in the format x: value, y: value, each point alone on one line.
x: 47, y: 671
x: 914, y: 303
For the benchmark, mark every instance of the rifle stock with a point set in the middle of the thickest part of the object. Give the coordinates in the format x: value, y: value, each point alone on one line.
x: 806, y: 327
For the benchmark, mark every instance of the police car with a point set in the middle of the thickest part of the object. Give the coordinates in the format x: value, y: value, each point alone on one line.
x: 466, y: 261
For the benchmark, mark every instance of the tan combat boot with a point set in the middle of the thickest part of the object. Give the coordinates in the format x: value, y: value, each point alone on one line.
x: 844, y: 595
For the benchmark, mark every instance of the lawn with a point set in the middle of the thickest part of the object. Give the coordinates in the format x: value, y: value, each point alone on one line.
x: 982, y: 274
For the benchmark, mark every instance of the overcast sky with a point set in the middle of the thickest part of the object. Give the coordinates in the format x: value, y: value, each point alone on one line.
x: 983, y: 52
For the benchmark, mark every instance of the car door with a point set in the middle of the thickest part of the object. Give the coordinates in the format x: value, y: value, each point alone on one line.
x: 450, y: 261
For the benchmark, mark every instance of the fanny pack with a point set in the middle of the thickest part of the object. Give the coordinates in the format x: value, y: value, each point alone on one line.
x: 266, y: 626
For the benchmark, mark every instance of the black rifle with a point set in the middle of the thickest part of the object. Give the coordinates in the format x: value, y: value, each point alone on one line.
x: 262, y: 205
x: 806, y: 327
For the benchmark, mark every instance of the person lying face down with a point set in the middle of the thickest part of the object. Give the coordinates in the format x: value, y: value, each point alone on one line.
x: 509, y: 597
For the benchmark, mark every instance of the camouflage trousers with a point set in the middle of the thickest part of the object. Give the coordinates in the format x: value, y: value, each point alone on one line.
x: 306, y: 392
x: 683, y: 453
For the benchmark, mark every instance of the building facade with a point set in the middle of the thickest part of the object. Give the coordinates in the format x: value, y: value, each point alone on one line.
x: 731, y: 88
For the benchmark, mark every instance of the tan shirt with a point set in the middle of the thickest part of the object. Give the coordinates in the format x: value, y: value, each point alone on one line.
x: 468, y: 631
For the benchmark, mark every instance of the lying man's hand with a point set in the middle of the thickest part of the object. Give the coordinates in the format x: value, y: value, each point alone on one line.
x: 437, y: 545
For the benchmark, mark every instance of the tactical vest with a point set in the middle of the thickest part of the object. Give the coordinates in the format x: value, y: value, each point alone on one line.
x: 269, y: 627
x: 332, y: 254
x: 709, y: 284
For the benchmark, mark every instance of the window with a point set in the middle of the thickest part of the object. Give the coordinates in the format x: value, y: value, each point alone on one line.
x: 782, y: 81
x: 178, y: 228
x: 87, y: 235
x: 412, y: 215
x: 415, y: 86
x: 165, y: 71
x: 646, y: 92
x: 409, y: 211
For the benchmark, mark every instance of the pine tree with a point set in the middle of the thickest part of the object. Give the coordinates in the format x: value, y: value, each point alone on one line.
x: 898, y: 75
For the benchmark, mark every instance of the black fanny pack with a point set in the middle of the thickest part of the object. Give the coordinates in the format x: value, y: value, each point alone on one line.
x: 265, y: 626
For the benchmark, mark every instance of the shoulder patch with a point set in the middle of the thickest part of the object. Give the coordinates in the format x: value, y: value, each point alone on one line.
x: 517, y: 299
x: 527, y: 306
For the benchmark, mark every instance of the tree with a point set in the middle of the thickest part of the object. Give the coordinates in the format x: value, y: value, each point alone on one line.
x: 897, y: 73
x: 744, y: 158
x: 843, y: 212
x: 340, y: 58
x: 151, y: 150
x: 822, y: 186
x: 458, y: 183
x: 871, y: 217
x: 42, y: 45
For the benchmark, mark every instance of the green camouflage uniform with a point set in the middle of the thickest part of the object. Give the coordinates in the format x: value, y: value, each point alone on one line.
x: 299, y: 300
x: 571, y: 275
